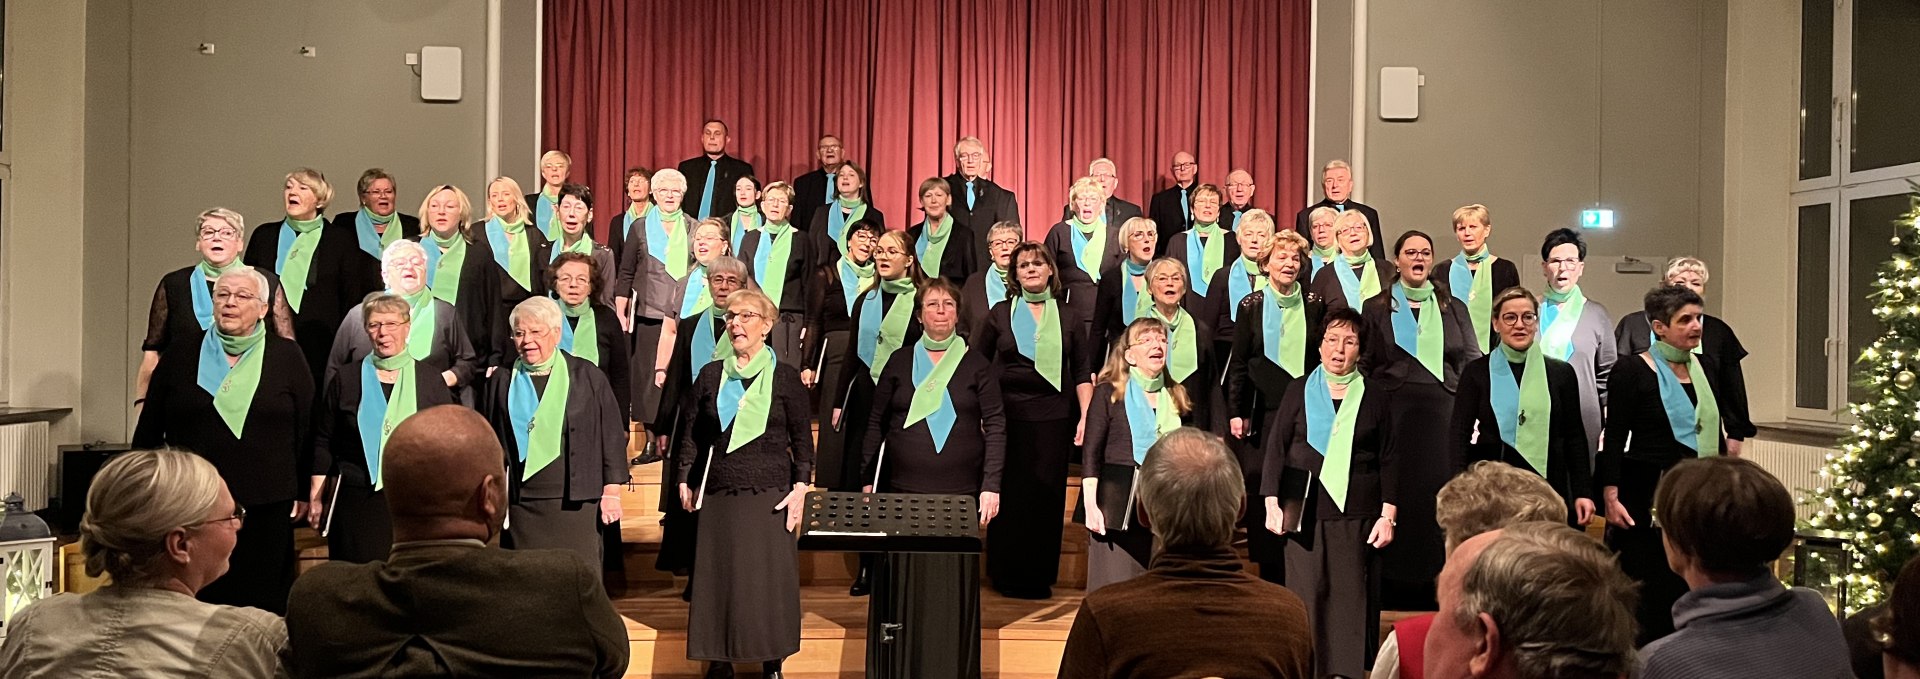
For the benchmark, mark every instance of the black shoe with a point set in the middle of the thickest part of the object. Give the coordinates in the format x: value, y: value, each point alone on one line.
x: 646, y: 458
x: 771, y: 670
x: 719, y: 670
x: 862, y: 584
x: 686, y: 594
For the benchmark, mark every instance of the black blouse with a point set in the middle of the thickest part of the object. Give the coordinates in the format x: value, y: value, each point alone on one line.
x: 1029, y: 396
x: 171, y: 314
x: 1388, y: 366
x: 337, y: 278
x: 1109, y: 436
x: 976, y: 448
x: 1218, y: 304
x: 1475, y: 432
x: 1633, y: 336
x: 595, y: 442
x: 510, y: 294
x: 974, y: 304
x: 337, y: 447
x: 827, y: 311
x: 780, y: 457
x: 1375, y: 472
x: 1637, y: 425
x: 270, y: 462
x: 958, y: 259
x: 1326, y: 284
x: 1255, y: 385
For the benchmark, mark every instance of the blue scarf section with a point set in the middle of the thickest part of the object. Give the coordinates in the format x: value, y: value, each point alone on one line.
x: 522, y: 400
x: 1196, y: 255
x: 1503, y: 393
x: 1349, y: 284
x: 370, y: 239
x: 1682, y: 415
x: 940, y: 422
x: 696, y: 285
x: 1079, y: 243
x: 1320, y: 410
x: 869, y: 337
x: 1239, y: 285
x: 1130, y: 297
x: 372, y: 415
x: 850, y: 283
x: 705, y: 338
x: 543, y: 210
x: 1141, y: 423
x: 497, y: 241
x: 996, y: 286
x: 1460, y: 278
x: 201, y: 290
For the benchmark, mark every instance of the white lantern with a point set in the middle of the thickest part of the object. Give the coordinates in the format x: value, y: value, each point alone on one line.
x: 27, y: 558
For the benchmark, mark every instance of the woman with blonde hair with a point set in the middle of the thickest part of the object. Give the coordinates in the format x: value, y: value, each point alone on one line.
x: 1354, y: 277
x: 160, y: 524
x: 460, y: 273
x: 1134, y: 404
x: 315, y: 262
x: 1476, y: 276
x: 555, y: 167
x: 1126, y: 294
x: 1084, y: 244
x: 519, y: 254
x: 182, y: 310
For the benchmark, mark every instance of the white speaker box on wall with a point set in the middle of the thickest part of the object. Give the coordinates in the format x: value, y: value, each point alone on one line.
x: 1400, y: 93
x: 440, y: 73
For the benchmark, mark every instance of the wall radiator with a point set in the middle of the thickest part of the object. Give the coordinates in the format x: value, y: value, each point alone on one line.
x: 27, y: 462
x: 1796, y: 465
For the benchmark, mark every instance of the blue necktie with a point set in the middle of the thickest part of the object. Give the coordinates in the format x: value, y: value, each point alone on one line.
x: 969, y: 195
x: 706, y: 194
x: 831, y: 176
x: 1185, y: 212
x: 1236, y: 220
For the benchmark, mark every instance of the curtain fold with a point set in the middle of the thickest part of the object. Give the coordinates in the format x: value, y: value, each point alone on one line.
x: 1048, y: 85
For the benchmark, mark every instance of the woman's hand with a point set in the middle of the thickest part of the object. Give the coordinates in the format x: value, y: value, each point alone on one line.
x: 989, y: 507
x: 610, y: 509
x: 1382, y: 533
x: 1080, y: 430
x: 620, y: 312
x: 1583, y: 511
x: 490, y: 370
x: 1276, y: 517
x: 1096, y: 522
x: 836, y: 418
x: 315, y: 505
x: 660, y: 444
x: 795, y: 503
x: 1617, y: 514
x: 452, y: 380
x: 1733, y: 447
x: 659, y: 377
x: 806, y: 378
x: 686, y: 498
x: 1238, y: 426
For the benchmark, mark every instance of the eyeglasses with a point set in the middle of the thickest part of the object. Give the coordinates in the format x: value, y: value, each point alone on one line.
x: 971, y: 155
x: 1143, y: 235
x: 1417, y: 254
x: 1528, y: 318
x: 1004, y: 242
x: 225, y: 295
x: 671, y: 192
x: 573, y: 280
x: 723, y: 279
x: 742, y: 317
x: 1185, y: 166
x: 384, y: 327
x: 219, y: 234
x: 1564, y: 264
x: 1239, y: 185
x: 378, y: 192
x: 1169, y: 278
x: 830, y: 147
x: 239, y: 514
x: 523, y: 334
x: 408, y: 261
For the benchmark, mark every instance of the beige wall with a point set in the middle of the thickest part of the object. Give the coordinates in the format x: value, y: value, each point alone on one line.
x: 1542, y: 109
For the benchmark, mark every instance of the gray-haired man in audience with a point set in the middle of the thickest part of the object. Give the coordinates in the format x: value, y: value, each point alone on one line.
x: 1534, y: 600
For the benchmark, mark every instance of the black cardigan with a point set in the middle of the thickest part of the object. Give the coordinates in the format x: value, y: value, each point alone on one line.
x: 337, y: 279
x: 976, y: 449
x: 1637, y: 426
x: 1388, y: 366
x: 1632, y: 336
x: 1505, y: 275
x: 337, y: 447
x: 1109, y: 436
x: 1375, y: 473
x: 1475, y: 432
x: 1255, y: 386
x: 780, y: 457
x: 1028, y: 395
x: 270, y: 463
x: 800, y: 270
x: 595, y: 442
x: 171, y: 314
x: 959, y: 260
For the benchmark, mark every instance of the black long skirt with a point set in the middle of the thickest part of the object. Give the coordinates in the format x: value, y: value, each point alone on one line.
x: 260, y: 570
x: 557, y: 524
x: 746, y: 581
x: 938, y: 610
x: 359, y: 528
x: 1411, y: 565
x: 1263, y: 547
x: 646, y: 397
x: 832, y: 468
x: 1023, y: 543
x: 1337, y: 575
x: 1643, y: 556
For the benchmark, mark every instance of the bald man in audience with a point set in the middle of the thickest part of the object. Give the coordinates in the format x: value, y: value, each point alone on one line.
x: 1535, y: 600
x: 1239, y: 198
x: 444, y: 603
x: 1336, y: 182
x: 1118, y: 210
x: 1172, y: 208
x: 1197, y: 612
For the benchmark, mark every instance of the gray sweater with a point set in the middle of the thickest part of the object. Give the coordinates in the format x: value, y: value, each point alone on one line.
x: 1757, y: 628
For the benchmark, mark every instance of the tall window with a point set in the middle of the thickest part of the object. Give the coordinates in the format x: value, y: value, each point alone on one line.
x: 1859, y: 105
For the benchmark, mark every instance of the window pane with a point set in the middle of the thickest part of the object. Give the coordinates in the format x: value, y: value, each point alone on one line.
x: 1816, y: 89
x: 1870, y: 225
x: 1886, y: 95
x: 1810, y: 312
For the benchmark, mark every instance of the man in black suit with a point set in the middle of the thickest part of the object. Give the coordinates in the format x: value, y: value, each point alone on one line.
x: 1172, y: 208
x: 710, y: 175
x: 444, y: 603
x: 1337, y: 183
x: 1239, y: 198
x: 977, y: 201
x: 814, y: 189
x: 1107, y: 175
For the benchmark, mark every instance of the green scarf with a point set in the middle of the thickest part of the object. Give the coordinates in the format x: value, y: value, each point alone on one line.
x: 1429, y: 332
x: 1039, y: 340
x: 743, y: 409
x: 679, y: 243
x: 582, y: 246
x: 1480, y: 296
x: 1704, y: 435
x: 933, y: 244
x: 211, y: 272
x: 1336, y: 471
x: 634, y: 212
x: 1183, y: 356
x: 519, y: 257
x: 234, y: 397
x: 586, y: 332
x: 1214, y: 255
x: 296, y: 257
x: 746, y: 219
x: 552, y: 226
x: 1558, y: 318
x: 446, y: 272
x: 420, y: 322
x: 1530, y: 402
x: 929, y: 394
x: 400, y: 405
x: 389, y: 234
x: 1291, y: 345
x: 774, y: 255
x: 1095, y: 252
x: 1166, y: 415
x: 546, y: 428
x: 893, y: 326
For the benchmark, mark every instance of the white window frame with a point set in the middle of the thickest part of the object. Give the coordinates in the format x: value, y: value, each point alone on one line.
x: 1834, y: 348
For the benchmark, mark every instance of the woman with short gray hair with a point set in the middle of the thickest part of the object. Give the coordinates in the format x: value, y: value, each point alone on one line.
x: 991, y: 284
x: 439, y: 339
x: 242, y: 398
x: 565, y: 437
x: 160, y: 524
x: 1634, y: 335
x: 183, y: 302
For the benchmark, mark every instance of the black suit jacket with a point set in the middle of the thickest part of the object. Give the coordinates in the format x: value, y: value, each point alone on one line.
x: 1167, y: 216
x: 809, y: 193
x: 455, y: 609
x: 1302, y: 224
x: 992, y: 204
x: 730, y: 169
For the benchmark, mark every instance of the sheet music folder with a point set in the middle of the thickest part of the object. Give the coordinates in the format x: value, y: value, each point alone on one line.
x: 890, y: 522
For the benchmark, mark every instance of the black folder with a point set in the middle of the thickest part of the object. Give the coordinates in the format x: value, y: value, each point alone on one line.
x: 1116, y: 497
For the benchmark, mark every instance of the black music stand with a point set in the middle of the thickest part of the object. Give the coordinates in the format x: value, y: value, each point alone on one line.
x: 898, y: 523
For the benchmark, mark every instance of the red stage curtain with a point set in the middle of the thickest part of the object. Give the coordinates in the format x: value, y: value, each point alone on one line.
x: 1048, y: 85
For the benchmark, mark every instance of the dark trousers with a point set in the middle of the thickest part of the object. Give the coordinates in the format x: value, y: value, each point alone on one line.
x: 1023, y: 543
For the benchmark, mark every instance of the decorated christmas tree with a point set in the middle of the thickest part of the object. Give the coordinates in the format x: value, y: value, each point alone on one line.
x: 1868, y: 491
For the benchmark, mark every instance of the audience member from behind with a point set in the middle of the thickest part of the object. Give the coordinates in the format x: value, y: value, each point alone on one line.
x: 1724, y: 520
x: 1534, y: 600
x: 1488, y: 496
x: 444, y: 603
x: 1197, y: 612
x: 1899, y: 628
x: 160, y: 524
